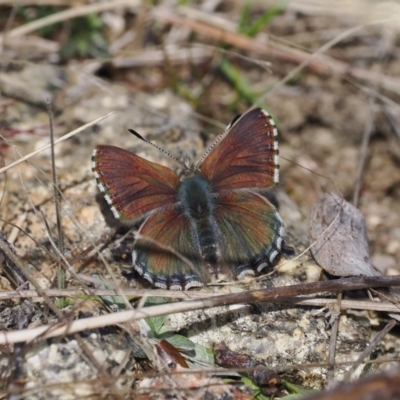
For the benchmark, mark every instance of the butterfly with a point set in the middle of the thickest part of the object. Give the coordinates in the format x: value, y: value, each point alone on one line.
x: 211, y: 220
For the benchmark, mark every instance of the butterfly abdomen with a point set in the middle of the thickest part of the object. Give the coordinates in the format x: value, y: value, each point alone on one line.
x: 209, y: 243
x: 198, y: 203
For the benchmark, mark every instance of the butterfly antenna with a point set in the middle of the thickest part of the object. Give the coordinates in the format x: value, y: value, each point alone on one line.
x: 157, y: 147
x: 218, y: 139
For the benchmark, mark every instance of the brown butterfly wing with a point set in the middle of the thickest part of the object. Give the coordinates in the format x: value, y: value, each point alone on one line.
x: 166, y: 251
x: 251, y: 230
x: 132, y: 185
x: 247, y: 157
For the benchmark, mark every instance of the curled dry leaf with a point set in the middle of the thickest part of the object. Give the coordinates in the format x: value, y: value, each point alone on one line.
x: 342, y: 249
x: 268, y: 380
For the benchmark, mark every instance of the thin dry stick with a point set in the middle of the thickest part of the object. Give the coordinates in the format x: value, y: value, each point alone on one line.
x: 187, y: 295
x: 332, y: 341
x: 57, y: 200
x: 61, y: 139
x: 391, y: 324
x: 355, y: 283
x: 12, y: 237
x: 57, y: 197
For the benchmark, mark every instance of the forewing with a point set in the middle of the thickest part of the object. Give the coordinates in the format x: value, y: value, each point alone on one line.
x: 166, y: 251
x: 251, y: 230
x: 247, y: 157
x: 132, y: 185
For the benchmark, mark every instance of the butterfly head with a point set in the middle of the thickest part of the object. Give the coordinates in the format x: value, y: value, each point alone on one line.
x: 188, y: 169
x: 195, y: 195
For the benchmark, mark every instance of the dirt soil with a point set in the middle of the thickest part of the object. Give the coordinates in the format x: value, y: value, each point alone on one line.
x: 339, y: 130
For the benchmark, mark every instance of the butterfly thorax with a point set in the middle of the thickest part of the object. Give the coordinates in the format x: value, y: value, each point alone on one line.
x: 195, y: 196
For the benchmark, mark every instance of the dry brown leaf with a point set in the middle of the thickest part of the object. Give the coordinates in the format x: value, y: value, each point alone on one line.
x: 342, y: 248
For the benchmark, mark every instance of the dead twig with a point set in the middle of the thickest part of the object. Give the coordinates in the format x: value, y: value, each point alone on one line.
x: 391, y: 324
x: 335, y: 310
x: 256, y: 296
